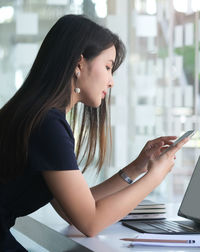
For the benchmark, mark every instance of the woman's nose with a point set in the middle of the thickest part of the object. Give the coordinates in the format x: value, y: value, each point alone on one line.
x: 110, y: 83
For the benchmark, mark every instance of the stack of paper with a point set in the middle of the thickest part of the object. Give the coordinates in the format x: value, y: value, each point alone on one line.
x: 147, y: 209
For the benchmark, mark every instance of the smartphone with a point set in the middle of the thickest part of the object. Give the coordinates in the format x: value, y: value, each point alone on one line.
x: 189, y: 133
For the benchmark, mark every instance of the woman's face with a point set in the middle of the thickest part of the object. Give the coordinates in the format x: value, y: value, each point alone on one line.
x: 96, y: 77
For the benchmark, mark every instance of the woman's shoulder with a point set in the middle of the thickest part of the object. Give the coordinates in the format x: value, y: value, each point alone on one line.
x: 51, y: 145
x: 55, y: 120
x: 53, y: 115
x: 56, y: 113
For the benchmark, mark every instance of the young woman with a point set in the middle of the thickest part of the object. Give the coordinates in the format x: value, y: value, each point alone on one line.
x: 74, y: 65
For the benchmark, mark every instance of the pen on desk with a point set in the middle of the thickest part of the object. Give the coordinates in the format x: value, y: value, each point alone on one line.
x: 157, y: 240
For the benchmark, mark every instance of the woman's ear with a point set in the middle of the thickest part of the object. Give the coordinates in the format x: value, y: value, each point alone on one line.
x: 80, y: 63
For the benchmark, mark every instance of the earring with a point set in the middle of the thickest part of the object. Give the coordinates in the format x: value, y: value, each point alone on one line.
x: 77, y: 90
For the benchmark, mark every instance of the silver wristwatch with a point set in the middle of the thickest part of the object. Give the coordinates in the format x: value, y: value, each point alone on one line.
x: 125, y: 177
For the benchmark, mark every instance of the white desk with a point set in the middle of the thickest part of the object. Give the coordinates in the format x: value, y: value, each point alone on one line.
x: 106, y: 241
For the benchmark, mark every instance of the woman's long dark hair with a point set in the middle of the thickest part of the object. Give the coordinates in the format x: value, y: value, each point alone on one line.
x: 48, y: 85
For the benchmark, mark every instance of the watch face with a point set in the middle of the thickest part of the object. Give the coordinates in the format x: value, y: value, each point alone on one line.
x: 125, y: 177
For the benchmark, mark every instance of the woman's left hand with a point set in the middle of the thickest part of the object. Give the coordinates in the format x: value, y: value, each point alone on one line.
x: 151, y: 150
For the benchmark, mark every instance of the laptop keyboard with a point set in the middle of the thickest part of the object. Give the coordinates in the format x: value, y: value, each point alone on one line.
x: 170, y: 226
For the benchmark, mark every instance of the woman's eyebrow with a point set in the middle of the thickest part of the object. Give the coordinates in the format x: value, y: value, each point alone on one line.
x: 112, y: 61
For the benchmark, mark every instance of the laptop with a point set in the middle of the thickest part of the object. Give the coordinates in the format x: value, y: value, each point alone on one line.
x: 189, y: 210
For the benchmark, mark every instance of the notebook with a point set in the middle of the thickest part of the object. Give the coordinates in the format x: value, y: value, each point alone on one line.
x: 189, y: 209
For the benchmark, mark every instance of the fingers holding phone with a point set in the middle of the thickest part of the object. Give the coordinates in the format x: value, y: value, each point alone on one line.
x: 177, y: 144
x: 162, y: 165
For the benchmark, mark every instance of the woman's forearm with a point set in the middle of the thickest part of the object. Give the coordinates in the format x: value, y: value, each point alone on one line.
x: 114, y: 183
x: 119, y: 204
x: 139, y: 166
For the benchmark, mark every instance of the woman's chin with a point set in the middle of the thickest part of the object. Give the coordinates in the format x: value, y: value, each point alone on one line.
x: 93, y: 104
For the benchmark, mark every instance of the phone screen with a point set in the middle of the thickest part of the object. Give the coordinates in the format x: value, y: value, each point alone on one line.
x: 189, y: 133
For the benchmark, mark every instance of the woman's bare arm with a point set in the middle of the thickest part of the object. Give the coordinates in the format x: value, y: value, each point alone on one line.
x: 89, y: 216
x: 133, y: 170
x: 109, y: 186
x: 59, y: 210
x: 114, y: 183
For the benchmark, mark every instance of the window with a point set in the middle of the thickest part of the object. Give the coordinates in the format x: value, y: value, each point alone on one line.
x: 156, y: 89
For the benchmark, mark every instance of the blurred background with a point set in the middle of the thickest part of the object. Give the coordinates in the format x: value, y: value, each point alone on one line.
x: 156, y: 89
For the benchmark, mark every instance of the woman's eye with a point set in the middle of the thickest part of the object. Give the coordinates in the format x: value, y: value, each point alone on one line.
x: 108, y: 68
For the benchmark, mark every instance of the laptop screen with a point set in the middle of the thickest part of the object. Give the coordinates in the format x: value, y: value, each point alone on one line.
x: 190, y: 206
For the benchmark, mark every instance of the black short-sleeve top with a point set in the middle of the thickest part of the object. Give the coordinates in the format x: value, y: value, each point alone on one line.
x: 51, y: 147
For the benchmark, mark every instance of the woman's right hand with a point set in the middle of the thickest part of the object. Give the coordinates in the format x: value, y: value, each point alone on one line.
x: 163, y: 164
